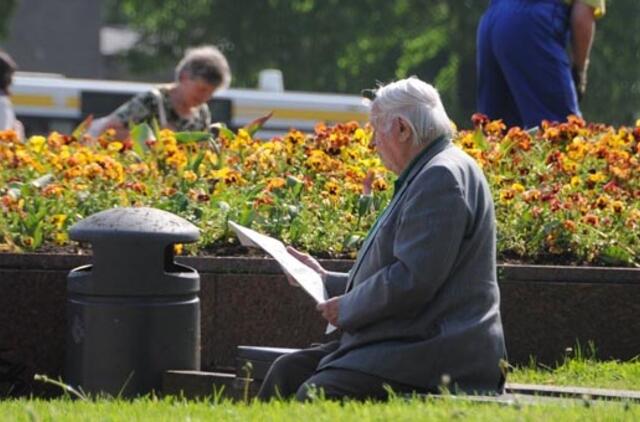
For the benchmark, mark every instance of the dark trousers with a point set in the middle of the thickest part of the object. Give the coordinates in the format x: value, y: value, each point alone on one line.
x: 296, y: 376
x: 524, y: 73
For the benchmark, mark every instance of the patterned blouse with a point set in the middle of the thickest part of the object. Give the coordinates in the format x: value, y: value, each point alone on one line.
x: 144, y: 107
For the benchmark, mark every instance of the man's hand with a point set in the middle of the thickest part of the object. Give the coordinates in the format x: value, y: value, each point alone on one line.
x: 330, y: 310
x: 580, y: 81
x: 307, y: 260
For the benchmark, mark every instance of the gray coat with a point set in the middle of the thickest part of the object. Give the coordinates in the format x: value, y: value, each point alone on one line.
x: 422, y: 299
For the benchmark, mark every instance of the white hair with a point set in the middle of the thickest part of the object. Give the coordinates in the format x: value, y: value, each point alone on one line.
x: 417, y: 103
x: 207, y: 63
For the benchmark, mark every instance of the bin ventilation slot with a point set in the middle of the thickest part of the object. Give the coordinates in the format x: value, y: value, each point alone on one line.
x: 169, y: 265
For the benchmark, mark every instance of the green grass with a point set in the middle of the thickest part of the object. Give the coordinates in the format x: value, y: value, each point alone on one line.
x: 170, y: 409
x: 584, y: 370
x: 578, y: 371
x: 583, y: 373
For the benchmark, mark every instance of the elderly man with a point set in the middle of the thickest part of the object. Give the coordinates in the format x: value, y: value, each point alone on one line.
x: 421, y: 304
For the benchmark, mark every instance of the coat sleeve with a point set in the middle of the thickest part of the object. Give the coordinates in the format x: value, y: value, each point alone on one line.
x: 335, y: 283
x: 425, y: 246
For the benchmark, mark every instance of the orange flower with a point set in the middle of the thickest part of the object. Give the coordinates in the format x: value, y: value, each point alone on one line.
x: 570, y: 225
x: 495, y: 127
x: 591, y: 219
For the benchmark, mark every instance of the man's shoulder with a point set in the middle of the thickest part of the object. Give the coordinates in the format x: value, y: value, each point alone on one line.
x: 453, y: 166
x: 454, y: 160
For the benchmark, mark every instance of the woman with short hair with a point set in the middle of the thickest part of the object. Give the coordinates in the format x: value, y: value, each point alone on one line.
x: 181, y: 105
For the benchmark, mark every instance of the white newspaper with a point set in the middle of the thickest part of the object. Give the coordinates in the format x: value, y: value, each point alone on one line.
x: 307, y: 278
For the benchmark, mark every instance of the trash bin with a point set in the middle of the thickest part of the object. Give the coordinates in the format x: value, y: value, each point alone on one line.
x: 133, y: 313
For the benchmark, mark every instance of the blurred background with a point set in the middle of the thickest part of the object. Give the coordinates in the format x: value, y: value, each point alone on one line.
x: 319, y: 45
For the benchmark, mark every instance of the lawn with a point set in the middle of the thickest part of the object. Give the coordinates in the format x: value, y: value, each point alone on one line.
x: 395, y: 410
x: 577, y: 371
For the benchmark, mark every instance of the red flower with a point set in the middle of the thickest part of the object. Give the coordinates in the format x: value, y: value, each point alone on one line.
x: 479, y: 120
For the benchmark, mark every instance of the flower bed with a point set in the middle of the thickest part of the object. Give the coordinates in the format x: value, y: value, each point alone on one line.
x: 564, y: 193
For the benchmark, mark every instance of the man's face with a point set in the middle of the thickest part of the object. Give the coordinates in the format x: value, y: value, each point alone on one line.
x: 386, y: 141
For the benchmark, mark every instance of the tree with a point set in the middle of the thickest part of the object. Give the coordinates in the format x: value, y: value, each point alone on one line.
x: 613, y: 92
x: 7, y: 7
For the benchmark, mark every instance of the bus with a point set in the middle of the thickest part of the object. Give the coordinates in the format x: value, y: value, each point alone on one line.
x: 51, y: 102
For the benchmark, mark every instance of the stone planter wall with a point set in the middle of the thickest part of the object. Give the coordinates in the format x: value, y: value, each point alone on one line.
x: 546, y: 310
x: 248, y: 301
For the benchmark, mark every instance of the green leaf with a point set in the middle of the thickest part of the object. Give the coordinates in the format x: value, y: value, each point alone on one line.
x: 38, y: 235
x: 140, y: 134
x: 224, y: 130
x: 156, y: 127
x: 247, y: 216
x: 82, y: 128
x: 192, y: 137
x: 479, y: 140
x: 613, y: 255
x: 364, y: 204
x: 506, y: 145
x: 257, y: 124
x: 193, y: 166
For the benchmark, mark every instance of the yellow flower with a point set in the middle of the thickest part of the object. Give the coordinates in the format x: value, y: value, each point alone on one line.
x: 177, y: 160
x: 379, y: 184
x: 575, y: 181
x: 467, y: 142
x: 230, y: 177
x: 115, y: 146
x: 602, y: 201
x: 61, y: 238
x: 517, y: 187
x: 211, y: 157
x: 495, y: 127
x: 569, y: 166
x: 617, y: 206
x: 36, y: 143
x: 362, y: 137
x: 597, y: 177
x: 58, y: 220
x: 577, y: 149
x: 189, y: 176
x: 332, y: 187
x: 506, y: 195
x: 275, y: 183
x: 318, y: 160
x: 178, y: 248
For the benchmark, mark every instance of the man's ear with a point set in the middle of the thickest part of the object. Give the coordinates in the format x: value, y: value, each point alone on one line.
x: 404, y: 129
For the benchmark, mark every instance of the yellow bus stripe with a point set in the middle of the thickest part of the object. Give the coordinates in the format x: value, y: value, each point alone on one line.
x: 32, y: 100
x: 298, y: 114
x: 72, y: 102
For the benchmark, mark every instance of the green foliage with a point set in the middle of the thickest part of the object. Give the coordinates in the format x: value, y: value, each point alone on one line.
x: 613, y: 91
x: 6, y: 12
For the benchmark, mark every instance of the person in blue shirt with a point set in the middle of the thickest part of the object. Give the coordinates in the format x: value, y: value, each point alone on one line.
x: 524, y: 72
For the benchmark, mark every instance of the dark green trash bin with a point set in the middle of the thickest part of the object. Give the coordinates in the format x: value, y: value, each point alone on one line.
x: 133, y: 313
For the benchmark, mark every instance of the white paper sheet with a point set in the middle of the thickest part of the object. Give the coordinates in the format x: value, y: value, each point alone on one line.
x: 307, y: 278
